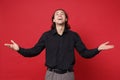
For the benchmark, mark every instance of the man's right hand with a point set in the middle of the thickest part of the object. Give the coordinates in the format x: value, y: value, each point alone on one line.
x: 13, y: 45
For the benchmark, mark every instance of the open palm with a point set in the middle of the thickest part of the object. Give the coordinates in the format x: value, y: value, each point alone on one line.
x: 13, y: 45
x: 105, y: 46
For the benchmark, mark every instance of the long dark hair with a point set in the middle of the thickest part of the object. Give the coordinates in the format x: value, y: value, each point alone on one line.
x: 53, y: 26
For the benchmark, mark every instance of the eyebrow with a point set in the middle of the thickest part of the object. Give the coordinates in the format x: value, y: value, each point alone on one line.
x: 58, y: 12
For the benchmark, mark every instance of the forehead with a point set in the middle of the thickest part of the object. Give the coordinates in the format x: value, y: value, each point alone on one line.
x: 59, y: 11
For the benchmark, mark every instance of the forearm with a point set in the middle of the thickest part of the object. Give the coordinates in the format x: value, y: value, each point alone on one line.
x: 31, y: 52
x: 89, y: 53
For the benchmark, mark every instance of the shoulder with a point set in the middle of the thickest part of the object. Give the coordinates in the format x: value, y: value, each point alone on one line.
x: 73, y: 33
x: 47, y: 32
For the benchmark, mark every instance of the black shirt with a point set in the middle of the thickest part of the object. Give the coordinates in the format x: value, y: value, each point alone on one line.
x: 59, y: 49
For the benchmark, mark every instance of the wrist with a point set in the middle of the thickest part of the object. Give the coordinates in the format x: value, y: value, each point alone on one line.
x: 99, y: 49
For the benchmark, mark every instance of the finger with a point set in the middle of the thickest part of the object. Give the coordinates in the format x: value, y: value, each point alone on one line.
x: 12, y: 42
x: 110, y: 47
x: 8, y: 45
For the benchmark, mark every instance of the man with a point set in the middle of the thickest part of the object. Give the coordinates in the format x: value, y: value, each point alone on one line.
x: 59, y: 42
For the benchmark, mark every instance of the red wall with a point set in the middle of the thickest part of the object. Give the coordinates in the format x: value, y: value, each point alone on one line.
x: 24, y: 21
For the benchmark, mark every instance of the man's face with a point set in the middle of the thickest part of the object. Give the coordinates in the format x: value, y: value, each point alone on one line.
x: 59, y: 17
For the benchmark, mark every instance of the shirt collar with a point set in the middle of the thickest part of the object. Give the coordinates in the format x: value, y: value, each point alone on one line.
x: 54, y: 31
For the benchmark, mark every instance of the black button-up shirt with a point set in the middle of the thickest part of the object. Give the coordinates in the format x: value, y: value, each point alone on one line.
x: 59, y: 49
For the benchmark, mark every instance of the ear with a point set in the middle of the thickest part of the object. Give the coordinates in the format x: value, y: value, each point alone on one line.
x: 53, y: 20
x: 66, y: 19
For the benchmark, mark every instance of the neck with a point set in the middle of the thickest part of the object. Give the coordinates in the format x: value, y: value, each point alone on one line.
x: 60, y: 29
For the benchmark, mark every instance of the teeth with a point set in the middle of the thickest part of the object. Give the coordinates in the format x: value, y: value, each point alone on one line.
x: 59, y: 18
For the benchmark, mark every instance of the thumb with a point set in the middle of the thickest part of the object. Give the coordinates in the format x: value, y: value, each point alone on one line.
x: 13, y: 42
x: 107, y: 42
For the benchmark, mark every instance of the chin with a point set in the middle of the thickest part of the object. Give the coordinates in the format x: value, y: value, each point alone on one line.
x: 61, y: 23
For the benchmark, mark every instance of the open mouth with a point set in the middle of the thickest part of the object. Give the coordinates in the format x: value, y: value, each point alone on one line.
x: 60, y: 19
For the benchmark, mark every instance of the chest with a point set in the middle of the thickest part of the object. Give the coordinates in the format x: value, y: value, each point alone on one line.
x: 56, y: 41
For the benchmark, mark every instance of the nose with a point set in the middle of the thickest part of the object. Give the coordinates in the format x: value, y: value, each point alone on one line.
x: 59, y: 15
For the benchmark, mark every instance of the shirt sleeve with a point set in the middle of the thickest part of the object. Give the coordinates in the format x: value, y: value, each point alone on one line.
x: 38, y: 47
x: 81, y: 48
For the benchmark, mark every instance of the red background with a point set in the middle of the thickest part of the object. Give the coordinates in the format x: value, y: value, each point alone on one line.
x: 24, y: 21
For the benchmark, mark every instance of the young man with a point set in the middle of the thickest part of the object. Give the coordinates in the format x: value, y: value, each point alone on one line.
x: 59, y: 42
